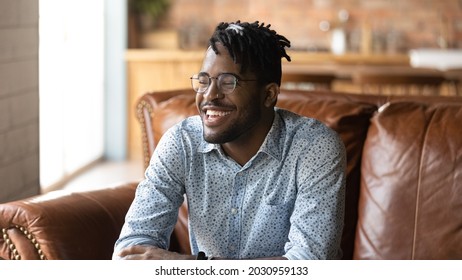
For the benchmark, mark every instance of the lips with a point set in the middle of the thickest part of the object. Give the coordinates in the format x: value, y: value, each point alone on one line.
x: 215, y: 117
x: 216, y: 113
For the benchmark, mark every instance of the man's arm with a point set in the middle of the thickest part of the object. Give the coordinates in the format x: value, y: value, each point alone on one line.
x: 154, y: 211
x: 317, y: 218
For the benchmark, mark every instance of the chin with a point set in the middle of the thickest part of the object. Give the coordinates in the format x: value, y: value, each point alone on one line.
x: 214, y: 139
x: 217, y: 138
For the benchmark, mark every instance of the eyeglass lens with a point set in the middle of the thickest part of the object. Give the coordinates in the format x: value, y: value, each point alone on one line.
x: 226, y: 83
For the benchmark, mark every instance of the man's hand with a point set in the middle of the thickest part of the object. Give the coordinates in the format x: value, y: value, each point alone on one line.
x: 147, y: 252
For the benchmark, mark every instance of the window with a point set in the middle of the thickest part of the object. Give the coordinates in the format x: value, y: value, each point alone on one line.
x: 71, y: 73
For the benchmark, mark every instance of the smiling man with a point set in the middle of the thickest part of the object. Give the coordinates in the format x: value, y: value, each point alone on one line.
x: 260, y: 182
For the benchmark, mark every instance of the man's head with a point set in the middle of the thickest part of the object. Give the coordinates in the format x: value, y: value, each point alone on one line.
x: 254, y: 46
x: 238, y: 83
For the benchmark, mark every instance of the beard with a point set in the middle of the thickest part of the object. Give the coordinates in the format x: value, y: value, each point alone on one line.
x: 238, y: 128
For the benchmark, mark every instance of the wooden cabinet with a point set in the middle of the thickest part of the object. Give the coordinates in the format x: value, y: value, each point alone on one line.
x: 155, y: 70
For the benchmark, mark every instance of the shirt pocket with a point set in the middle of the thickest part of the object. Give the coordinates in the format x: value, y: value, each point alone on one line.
x: 279, y: 195
x: 282, y: 210
x: 277, y: 209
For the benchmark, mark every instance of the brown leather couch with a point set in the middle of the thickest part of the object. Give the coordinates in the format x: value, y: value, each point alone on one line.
x: 404, y: 182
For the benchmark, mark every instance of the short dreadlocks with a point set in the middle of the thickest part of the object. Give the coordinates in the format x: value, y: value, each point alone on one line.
x: 253, y: 45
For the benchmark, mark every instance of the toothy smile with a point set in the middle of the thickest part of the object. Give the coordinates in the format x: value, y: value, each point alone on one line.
x: 214, y: 113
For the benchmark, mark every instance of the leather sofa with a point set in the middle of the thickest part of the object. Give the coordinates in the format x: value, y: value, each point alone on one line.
x: 403, y: 195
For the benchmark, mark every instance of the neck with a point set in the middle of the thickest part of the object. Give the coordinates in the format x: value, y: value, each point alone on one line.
x: 246, y: 146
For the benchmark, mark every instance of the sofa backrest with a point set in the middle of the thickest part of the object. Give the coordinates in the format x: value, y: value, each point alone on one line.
x: 410, y: 204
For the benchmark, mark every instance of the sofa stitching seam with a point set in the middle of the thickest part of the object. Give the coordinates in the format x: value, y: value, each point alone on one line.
x: 419, y: 185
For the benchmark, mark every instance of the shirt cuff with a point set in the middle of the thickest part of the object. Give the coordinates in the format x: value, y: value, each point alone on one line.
x: 131, y: 242
x: 298, y: 253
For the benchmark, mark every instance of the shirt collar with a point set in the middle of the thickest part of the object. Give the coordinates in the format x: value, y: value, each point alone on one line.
x: 272, y: 145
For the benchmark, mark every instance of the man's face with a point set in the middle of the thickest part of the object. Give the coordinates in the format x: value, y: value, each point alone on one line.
x: 228, y: 117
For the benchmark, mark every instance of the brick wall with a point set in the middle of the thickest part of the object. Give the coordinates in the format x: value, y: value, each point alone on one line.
x: 405, y: 23
x: 19, y: 101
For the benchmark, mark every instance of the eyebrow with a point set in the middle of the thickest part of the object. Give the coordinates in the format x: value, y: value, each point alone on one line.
x: 230, y: 73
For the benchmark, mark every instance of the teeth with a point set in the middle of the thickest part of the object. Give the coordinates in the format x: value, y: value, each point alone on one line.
x: 217, y: 113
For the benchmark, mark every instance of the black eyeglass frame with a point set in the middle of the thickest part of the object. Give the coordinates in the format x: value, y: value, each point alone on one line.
x: 237, y: 79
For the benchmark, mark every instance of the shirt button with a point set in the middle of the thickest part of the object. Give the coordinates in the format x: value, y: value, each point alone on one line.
x: 233, y: 211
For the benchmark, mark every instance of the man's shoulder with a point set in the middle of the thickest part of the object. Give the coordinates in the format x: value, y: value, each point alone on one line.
x: 192, y: 123
x: 302, y: 126
x: 298, y: 121
x: 306, y: 135
x: 190, y: 127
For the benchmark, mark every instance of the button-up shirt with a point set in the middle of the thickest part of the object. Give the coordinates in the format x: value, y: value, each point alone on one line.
x: 288, y: 200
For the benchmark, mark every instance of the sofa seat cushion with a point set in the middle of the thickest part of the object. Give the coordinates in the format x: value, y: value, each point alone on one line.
x: 411, y: 188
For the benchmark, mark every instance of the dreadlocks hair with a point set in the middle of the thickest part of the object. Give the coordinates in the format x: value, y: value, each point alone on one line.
x: 254, y: 46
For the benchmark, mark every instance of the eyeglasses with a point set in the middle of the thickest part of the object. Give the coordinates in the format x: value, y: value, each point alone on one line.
x: 226, y: 82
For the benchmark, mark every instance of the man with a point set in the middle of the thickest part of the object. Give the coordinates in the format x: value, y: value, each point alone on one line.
x: 260, y: 182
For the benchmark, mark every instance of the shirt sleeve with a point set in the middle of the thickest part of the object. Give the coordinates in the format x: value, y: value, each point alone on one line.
x: 154, y: 210
x: 317, y: 219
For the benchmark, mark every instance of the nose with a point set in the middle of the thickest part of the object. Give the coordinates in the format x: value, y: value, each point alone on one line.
x: 212, y: 91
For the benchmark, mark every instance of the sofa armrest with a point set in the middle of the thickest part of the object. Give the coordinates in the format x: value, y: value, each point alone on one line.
x: 65, y: 225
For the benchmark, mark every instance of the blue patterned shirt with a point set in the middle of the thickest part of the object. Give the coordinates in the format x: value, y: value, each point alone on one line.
x: 288, y: 200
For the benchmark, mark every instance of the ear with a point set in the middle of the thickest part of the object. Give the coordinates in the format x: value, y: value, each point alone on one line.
x: 272, y: 92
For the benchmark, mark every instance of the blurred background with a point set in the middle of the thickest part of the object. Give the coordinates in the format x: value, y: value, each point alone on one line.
x: 389, y: 25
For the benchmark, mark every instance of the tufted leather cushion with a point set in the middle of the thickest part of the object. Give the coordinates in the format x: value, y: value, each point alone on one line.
x: 411, y: 185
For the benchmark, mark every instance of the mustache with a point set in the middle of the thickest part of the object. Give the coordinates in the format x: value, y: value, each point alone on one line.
x: 215, y: 103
